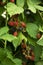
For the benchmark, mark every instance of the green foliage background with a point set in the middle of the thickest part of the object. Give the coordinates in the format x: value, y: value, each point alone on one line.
x: 34, y: 24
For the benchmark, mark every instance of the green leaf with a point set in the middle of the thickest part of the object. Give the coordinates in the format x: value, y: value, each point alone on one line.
x: 37, y: 52
x: 21, y: 37
x: 31, y: 6
x: 4, y: 30
x: 42, y: 55
x: 13, y: 9
x: 40, y: 41
x: 9, y: 54
x: 32, y: 29
x: 2, y: 54
x: 17, y: 61
x: 31, y: 41
x: 40, y: 29
x: 20, y: 3
x: 7, y: 61
x: 8, y: 37
x: 39, y: 63
x: 19, y: 40
x: 39, y: 7
x: 36, y: 1
x: 3, y: 58
x: 16, y: 43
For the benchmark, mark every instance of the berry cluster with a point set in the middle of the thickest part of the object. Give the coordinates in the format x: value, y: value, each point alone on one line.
x: 27, y: 52
x: 16, y: 27
x: 15, y: 23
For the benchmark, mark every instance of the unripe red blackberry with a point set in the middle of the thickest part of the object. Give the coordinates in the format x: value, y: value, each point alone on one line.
x: 12, y: 1
x: 15, y: 33
x: 11, y: 23
x: 23, y: 45
x: 38, y: 36
x: 23, y: 24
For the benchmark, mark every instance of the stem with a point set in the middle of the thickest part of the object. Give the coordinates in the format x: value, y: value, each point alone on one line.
x: 5, y: 44
x: 6, y: 26
x: 6, y: 19
x: 6, y: 15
